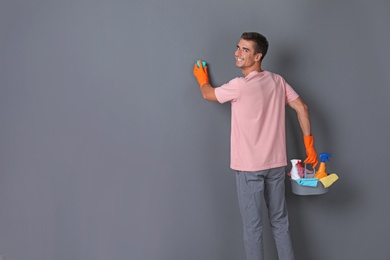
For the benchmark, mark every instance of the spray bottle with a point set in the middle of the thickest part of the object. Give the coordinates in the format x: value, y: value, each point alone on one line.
x: 321, y: 173
x: 296, y: 169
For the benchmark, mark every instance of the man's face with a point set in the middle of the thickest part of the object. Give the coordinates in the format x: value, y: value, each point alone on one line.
x: 245, y: 54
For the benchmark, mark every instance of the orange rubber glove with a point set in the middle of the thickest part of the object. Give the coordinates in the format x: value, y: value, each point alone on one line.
x: 310, y: 151
x: 201, y: 74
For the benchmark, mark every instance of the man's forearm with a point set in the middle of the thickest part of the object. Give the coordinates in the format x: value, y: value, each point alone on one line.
x: 303, y: 115
x: 208, y: 92
x: 304, y: 121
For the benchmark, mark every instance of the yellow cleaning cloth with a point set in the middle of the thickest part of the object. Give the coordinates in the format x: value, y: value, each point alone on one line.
x: 329, y: 180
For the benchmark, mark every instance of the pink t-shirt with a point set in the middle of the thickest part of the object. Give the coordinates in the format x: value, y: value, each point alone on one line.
x: 258, y: 133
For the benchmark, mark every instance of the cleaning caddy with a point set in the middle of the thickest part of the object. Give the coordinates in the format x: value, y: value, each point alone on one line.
x: 306, y: 182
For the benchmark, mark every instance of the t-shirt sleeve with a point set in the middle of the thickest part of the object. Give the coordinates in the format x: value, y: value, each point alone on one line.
x: 228, y: 92
x: 291, y: 95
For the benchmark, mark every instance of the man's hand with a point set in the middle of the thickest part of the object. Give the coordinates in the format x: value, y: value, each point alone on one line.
x: 201, y: 74
x: 310, y: 151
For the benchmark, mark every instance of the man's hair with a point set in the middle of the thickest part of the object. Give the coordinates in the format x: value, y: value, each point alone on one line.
x: 261, y: 43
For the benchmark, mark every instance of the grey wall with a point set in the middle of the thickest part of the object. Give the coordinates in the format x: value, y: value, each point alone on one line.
x: 108, y: 150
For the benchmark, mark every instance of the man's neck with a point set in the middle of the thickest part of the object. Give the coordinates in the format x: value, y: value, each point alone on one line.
x: 246, y: 71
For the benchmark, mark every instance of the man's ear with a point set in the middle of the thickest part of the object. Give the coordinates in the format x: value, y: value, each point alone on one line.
x: 258, y: 56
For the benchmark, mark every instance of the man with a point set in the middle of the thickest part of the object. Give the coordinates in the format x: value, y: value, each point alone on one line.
x: 258, y: 145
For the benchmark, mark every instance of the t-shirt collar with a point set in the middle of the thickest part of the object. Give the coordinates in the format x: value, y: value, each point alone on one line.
x: 254, y: 74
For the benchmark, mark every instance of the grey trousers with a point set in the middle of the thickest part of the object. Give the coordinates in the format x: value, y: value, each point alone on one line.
x: 253, y: 188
